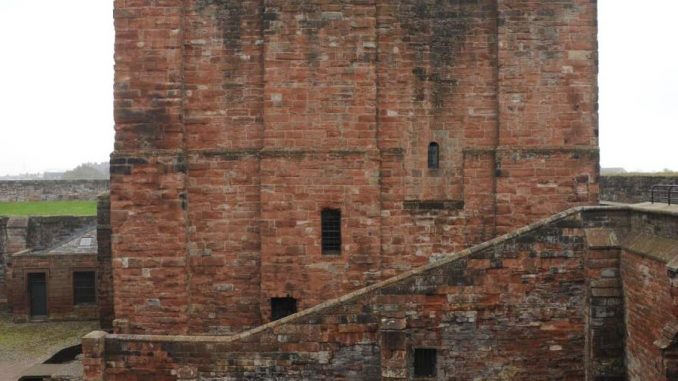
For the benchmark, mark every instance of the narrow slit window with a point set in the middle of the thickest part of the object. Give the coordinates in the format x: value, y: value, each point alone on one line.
x: 281, y: 307
x: 433, y: 155
x: 84, y: 288
x: 425, y: 362
x: 331, y: 231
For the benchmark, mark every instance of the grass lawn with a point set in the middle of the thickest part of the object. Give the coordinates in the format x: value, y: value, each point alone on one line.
x: 49, y: 208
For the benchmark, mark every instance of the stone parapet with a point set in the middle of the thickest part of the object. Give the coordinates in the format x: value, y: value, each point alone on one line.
x: 51, y: 190
x: 631, y: 189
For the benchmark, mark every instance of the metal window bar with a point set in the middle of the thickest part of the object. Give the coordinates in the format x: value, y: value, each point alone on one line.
x: 664, y: 193
x: 425, y: 362
x: 331, y: 231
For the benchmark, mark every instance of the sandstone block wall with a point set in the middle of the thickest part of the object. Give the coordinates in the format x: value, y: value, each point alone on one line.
x: 238, y: 122
x: 605, y: 344
x: 648, y: 270
x: 21, y: 233
x: 104, y: 263
x: 544, y: 302
x: 59, y: 276
x: 50, y: 190
x: 3, y: 255
x: 513, y: 307
x: 631, y: 189
x: 3, y: 233
x: 633, y: 298
x: 650, y: 308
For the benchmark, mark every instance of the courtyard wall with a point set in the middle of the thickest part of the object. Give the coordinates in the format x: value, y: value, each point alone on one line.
x: 51, y: 190
x: 562, y: 299
x: 631, y: 189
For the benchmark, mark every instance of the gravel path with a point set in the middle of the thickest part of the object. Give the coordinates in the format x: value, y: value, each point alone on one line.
x: 26, y: 344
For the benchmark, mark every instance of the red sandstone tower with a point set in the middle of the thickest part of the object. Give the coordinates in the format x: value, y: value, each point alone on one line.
x: 281, y: 153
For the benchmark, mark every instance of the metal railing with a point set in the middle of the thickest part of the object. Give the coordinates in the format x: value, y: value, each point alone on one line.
x: 664, y: 193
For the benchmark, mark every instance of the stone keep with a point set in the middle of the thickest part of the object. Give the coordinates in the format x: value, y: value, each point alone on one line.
x: 238, y: 122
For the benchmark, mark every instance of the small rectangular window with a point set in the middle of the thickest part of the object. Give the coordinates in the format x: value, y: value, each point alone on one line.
x: 425, y: 362
x: 331, y: 231
x: 281, y: 307
x: 433, y: 155
x: 84, y: 287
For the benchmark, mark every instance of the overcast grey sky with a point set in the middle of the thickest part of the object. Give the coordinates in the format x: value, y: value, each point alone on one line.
x: 56, y: 76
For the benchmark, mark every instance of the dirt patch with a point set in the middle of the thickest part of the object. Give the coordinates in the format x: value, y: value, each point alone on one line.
x: 23, y: 345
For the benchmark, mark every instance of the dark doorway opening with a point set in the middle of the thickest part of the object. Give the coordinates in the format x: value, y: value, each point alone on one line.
x: 281, y: 307
x: 425, y: 362
x: 37, y: 293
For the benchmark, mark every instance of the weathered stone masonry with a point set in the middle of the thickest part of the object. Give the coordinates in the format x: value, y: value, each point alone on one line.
x: 237, y: 122
x: 104, y: 263
x: 51, y: 190
x: 59, y: 268
x: 545, y: 302
x: 21, y: 233
x: 3, y: 254
x: 632, y: 189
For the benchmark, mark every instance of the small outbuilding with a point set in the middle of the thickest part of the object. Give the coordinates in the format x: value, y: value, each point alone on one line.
x: 58, y: 283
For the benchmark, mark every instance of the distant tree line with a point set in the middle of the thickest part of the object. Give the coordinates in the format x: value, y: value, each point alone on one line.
x: 88, y: 171
x: 85, y: 171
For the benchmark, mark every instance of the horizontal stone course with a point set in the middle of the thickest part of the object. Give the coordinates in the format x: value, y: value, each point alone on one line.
x: 516, y: 312
x: 51, y: 190
x: 238, y: 122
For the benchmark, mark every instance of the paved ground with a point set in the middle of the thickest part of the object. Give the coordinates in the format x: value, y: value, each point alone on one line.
x: 23, y: 345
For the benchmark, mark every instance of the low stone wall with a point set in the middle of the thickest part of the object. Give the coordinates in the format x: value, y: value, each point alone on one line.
x: 491, y: 310
x: 645, y: 284
x: 519, y: 307
x: 605, y: 313
x: 649, y: 270
x: 49, y: 190
x: 631, y: 189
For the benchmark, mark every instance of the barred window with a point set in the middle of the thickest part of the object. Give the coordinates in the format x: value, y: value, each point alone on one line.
x: 331, y: 231
x: 433, y: 155
x: 84, y: 287
x: 425, y: 362
x: 281, y: 307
